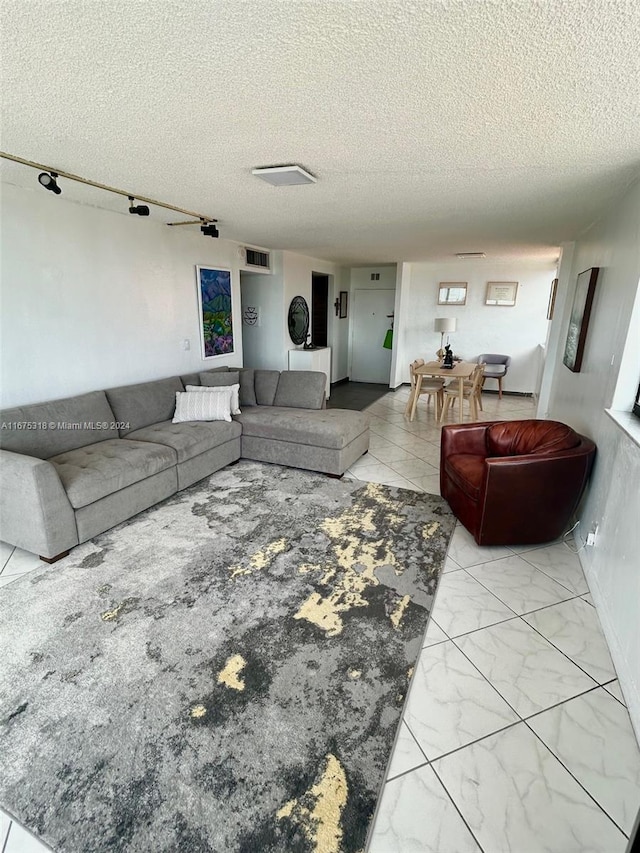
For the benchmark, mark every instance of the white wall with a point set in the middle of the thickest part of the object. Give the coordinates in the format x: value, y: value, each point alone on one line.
x: 92, y: 298
x: 612, y: 566
x: 516, y: 331
x: 264, y: 343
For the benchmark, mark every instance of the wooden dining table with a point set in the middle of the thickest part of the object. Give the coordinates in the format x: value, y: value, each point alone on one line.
x: 461, y: 370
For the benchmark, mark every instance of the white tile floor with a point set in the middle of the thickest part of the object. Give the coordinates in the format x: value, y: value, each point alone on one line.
x: 515, y: 735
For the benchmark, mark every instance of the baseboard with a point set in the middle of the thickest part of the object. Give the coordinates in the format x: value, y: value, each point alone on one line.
x: 340, y: 382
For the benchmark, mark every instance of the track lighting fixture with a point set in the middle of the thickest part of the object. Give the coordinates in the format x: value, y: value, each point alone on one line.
x: 209, y: 229
x: 48, y: 176
x: 48, y: 181
x: 139, y: 209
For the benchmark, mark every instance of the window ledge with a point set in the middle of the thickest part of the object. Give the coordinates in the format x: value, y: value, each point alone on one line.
x: 627, y: 422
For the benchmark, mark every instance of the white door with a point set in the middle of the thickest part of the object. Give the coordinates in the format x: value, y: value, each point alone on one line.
x: 370, y: 361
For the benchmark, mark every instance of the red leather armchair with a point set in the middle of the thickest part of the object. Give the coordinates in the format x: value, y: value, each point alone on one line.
x: 514, y: 482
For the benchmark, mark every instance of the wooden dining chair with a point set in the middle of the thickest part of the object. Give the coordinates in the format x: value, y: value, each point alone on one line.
x: 430, y: 387
x: 472, y: 391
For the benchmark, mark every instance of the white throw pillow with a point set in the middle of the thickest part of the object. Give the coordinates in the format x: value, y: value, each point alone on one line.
x: 203, y: 407
x: 235, y: 394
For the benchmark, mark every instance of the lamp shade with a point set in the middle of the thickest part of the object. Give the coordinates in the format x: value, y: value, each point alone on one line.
x: 445, y: 324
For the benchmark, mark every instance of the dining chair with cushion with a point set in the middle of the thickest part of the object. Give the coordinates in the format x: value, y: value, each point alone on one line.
x: 471, y: 391
x: 428, y: 386
x: 496, y: 367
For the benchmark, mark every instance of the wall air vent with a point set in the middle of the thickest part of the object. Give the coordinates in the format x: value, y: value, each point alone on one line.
x: 470, y: 255
x: 256, y: 260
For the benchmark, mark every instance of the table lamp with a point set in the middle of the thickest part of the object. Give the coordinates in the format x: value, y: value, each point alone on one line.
x: 442, y: 325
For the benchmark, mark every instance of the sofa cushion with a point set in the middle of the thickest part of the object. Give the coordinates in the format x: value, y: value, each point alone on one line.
x: 222, y: 380
x: 145, y: 403
x: 301, y: 389
x: 194, y: 378
x: 188, y: 439
x: 332, y: 428
x: 247, y: 386
x: 44, y: 429
x: 200, y: 406
x: 97, y: 470
x: 517, y: 438
x: 266, y: 385
x: 466, y: 470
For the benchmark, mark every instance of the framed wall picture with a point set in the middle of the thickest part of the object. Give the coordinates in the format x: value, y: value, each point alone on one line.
x: 452, y: 293
x: 552, y: 299
x: 344, y: 303
x: 501, y: 293
x: 579, y: 320
x: 215, y: 311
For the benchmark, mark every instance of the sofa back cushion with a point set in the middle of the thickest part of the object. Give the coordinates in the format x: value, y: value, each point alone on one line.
x: 301, y: 389
x: 266, y: 384
x: 518, y: 438
x: 194, y: 378
x: 46, y: 429
x: 248, y: 386
x: 138, y: 406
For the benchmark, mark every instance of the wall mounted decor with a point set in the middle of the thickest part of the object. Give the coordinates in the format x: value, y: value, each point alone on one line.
x: 344, y: 297
x: 251, y: 316
x: 298, y: 320
x: 579, y: 320
x: 552, y: 299
x: 501, y: 293
x: 215, y: 304
x: 452, y: 293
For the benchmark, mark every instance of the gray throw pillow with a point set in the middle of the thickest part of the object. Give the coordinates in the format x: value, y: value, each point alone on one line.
x: 247, y: 387
x: 218, y: 380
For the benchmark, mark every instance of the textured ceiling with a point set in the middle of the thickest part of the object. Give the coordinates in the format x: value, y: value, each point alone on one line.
x: 433, y: 127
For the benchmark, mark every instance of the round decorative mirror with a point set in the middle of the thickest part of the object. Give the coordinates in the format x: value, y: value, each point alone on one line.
x: 298, y: 320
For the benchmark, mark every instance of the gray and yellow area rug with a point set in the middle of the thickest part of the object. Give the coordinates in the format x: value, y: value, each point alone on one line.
x: 225, y: 672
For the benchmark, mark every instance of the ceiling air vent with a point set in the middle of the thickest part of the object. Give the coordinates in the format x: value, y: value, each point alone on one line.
x: 257, y: 260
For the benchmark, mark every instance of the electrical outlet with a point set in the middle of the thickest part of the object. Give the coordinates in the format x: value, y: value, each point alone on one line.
x: 186, y: 344
x: 592, y: 536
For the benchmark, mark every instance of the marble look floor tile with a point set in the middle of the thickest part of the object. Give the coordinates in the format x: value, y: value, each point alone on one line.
x: 434, y: 634
x: 6, y: 551
x: 5, y: 823
x: 588, y: 599
x: 593, y: 737
x: 518, y: 798
x: 430, y: 484
x: 574, y: 628
x: 5, y: 580
x: 616, y: 691
x: 407, y: 755
x: 462, y: 605
x: 465, y: 552
x: 414, y: 468
x: 21, y: 841
x: 22, y: 561
x: 519, y: 584
x: 561, y: 564
x: 429, y: 454
x: 450, y: 704
x: 524, y: 667
x: 389, y: 455
x: 451, y: 565
x: 417, y: 816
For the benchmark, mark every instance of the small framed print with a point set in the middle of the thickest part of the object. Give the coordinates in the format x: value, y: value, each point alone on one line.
x: 344, y: 296
x: 552, y: 299
x: 452, y: 293
x: 501, y: 293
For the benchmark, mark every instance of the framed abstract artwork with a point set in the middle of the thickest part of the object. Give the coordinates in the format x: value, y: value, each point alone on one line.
x: 215, y: 311
x: 579, y: 320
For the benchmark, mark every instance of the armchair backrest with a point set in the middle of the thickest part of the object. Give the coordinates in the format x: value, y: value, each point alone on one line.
x: 494, y: 358
x: 520, y: 438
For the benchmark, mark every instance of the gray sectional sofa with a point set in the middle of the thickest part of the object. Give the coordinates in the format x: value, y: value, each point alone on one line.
x: 72, y: 468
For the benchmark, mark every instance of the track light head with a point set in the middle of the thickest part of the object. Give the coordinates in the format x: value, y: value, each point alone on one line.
x: 209, y: 229
x: 138, y: 209
x: 48, y: 181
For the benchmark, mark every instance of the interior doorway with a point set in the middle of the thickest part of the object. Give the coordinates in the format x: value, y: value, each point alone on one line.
x: 319, y: 308
x: 372, y: 312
